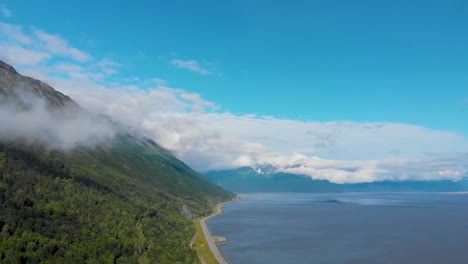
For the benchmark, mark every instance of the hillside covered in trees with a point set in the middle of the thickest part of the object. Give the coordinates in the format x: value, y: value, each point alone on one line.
x: 122, y: 200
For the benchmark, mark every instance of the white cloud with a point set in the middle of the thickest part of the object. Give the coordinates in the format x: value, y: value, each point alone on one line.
x: 450, y: 173
x: 6, y: 12
x: 198, y: 103
x: 57, y: 45
x: 20, y: 56
x: 191, y: 65
x: 342, y: 171
x: 56, y: 128
x: 222, y: 140
x: 208, y: 138
x: 108, y: 66
x: 184, y: 123
x: 158, y: 81
x: 15, y: 33
x: 27, y: 48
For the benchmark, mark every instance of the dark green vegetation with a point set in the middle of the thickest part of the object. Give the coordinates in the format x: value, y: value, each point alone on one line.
x: 113, y: 204
x: 123, y: 201
x: 246, y: 180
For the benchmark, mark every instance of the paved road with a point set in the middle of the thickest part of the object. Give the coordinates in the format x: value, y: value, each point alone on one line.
x: 206, y: 231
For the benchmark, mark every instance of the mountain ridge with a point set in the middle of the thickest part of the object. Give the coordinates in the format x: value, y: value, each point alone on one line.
x: 12, y: 84
x: 121, y: 199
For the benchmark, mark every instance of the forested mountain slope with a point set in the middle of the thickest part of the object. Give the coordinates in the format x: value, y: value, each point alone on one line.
x: 121, y: 200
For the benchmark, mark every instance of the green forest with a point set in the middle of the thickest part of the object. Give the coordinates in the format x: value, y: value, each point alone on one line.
x: 120, y: 202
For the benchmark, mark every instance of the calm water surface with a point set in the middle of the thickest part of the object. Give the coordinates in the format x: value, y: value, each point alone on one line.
x: 345, y: 228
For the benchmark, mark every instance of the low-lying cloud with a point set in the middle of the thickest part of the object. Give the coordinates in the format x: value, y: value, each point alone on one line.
x: 28, y: 118
x: 207, y: 137
x: 213, y: 140
x: 448, y: 167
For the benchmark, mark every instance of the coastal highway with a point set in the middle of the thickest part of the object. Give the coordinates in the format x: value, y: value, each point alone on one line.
x: 206, y: 231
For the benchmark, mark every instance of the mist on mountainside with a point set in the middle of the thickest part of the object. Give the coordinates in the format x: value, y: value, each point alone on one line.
x: 33, y: 112
x: 28, y: 118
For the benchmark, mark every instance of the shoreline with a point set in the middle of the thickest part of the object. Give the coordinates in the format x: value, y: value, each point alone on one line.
x: 212, y: 240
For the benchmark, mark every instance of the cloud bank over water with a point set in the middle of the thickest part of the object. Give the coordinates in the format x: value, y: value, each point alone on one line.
x: 208, y: 137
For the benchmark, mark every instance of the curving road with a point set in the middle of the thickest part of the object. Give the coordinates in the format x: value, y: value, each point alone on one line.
x: 206, y: 231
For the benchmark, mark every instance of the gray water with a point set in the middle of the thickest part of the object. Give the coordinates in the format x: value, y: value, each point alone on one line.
x: 345, y: 228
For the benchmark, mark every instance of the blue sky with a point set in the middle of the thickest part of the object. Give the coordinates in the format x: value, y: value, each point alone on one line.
x: 342, y: 80
x: 392, y: 61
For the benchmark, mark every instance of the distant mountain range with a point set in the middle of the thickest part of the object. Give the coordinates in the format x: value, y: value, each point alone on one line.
x: 246, y: 179
x: 64, y: 199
